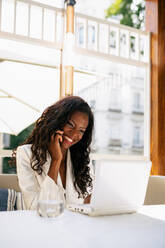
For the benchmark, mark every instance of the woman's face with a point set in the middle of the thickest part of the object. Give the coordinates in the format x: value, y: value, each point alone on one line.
x: 74, y: 129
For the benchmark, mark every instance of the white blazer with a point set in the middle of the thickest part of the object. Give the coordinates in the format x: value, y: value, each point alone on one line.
x: 36, y: 187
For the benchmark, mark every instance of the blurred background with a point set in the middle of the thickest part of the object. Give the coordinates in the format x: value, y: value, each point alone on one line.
x: 111, y: 68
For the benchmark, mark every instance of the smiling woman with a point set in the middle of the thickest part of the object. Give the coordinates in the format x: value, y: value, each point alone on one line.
x: 53, y: 163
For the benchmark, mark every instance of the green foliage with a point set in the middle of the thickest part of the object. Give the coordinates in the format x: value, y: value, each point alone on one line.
x: 14, y: 142
x: 114, y: 8
x: 131, y: 14
x: 7, y: 168
x: 21, y: 137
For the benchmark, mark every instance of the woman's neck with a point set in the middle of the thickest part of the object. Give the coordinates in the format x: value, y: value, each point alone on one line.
x: 64, y: 154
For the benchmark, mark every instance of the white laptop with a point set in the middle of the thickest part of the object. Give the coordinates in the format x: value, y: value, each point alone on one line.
x: 119, y: 187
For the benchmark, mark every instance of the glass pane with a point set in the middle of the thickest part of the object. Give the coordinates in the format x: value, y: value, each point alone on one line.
x: 22, y: 10
x: 7, y: 16
x: 134, y: 46
x: 144, y: 48
x: 114, y: 41
x: 29, y: 53
x: 35, y: 85
x: 49, y: 25
x: 115, y: 93
x: 35, y: 22
x: 59, y: 27
x: 103, y: 38
x: 80, y: 32
x: 124, y: 43
x: 92, y: 35
x: 54, y: 3
x: 31, y: 87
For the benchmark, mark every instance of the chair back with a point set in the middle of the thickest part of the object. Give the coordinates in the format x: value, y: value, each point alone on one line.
x: 155, y: 191
x: 9, y: 181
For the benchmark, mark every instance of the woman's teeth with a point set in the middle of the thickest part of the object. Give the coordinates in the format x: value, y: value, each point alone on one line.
x: 70, y: 140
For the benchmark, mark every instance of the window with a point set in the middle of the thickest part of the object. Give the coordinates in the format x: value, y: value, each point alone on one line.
x: 111, y: 71
x: 91, y: 34
x: 93, y: 104
x: 114, y: 131
x: 6, y: 140
x: 81, y: 35
x: 137, y: 142
x: 115, y: 97
x: 111, y: 98
x: 137, y: 100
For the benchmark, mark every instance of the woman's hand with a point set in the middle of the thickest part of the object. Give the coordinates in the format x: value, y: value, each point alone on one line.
x: 54, y: 147
x: 87, y: 199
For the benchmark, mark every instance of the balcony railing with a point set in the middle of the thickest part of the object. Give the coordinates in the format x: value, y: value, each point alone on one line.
x: 30, y: 21
x: 112, y: 40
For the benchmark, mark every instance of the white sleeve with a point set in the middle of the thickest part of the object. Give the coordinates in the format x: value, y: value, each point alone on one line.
x: 92, y: 172
x: 92, y: 175
x: 30, y: 188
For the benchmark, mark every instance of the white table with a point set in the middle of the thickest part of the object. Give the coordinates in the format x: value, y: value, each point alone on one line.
x: 24, y: 229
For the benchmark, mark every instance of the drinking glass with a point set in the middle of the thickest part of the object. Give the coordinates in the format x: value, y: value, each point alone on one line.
x: 50, y: 208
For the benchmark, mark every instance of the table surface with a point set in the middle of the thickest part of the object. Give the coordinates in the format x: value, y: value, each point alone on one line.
x: 24, y: 229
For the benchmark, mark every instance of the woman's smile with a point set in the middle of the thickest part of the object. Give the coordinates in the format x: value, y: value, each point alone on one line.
x: 67, y: 139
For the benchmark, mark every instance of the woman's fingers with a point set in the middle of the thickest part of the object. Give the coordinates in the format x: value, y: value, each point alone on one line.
x: 54, y: 147
x: 87, y: 199
x: 57, y: 136
x: 60, y: 137
x: 59, y: 132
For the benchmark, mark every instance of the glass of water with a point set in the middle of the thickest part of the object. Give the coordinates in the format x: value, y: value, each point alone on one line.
x: 50, y: 208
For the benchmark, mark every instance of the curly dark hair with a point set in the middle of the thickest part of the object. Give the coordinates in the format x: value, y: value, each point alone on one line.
x: 55, y: 117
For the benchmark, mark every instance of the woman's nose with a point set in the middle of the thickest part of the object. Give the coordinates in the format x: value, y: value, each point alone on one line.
x: 75, y: 135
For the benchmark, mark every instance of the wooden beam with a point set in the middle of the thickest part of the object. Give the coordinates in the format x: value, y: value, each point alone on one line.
x: 155, y: 23
x: 66, y: 67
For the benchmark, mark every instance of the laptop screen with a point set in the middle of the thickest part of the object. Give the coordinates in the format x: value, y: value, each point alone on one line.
x: 120, y: 184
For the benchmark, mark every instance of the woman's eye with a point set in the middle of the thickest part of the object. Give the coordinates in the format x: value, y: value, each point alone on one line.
x: 82, y: 131
x: 70, y: 124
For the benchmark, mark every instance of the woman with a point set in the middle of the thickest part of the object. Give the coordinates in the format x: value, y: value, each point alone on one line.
x: 53, y: 162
